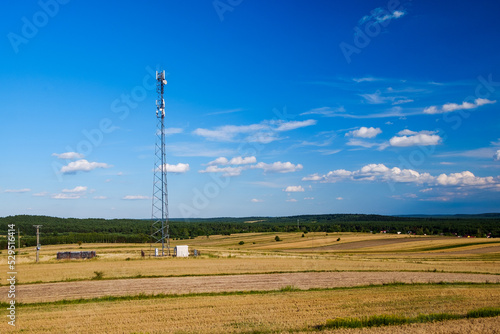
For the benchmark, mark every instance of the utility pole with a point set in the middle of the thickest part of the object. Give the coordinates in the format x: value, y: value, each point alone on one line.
x: 37, y: 240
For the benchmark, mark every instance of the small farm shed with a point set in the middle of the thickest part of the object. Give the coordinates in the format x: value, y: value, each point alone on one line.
x: 181, y: 251
x: 75, y: 255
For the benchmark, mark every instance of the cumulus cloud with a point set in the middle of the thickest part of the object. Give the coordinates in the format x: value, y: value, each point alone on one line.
x: 135, y: 197
x: 497, y: 155
x: 255, y: 200
x: 24, y: 190
x: 68, y: 155
x: 412, y: 138
x: 176, y: 169
x: 465, y: 178
x: 82, y: 165
x: 449, y: 107
x: 294, y: 189
x: 372, y: 172
x: 364, y: 132
x: 382, y: 173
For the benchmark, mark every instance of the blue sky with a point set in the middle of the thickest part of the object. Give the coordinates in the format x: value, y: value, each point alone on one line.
x: 273, y: 107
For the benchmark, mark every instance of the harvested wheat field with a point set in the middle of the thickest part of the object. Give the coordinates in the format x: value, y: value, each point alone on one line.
x: 200, y: 284
x: 282, y: 311
x: 260, y: 285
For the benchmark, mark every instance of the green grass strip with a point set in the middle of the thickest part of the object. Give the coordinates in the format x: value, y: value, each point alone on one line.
x: 396, y: 320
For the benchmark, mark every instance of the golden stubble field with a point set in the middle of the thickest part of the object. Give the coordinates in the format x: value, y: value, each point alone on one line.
x: 298, y: 282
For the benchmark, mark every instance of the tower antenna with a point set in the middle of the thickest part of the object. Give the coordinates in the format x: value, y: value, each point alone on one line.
x: 159, y: 215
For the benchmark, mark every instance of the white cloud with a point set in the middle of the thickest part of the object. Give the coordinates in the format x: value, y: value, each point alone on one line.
x: 375, y: 98
x: 227, y: 171
x: 236, y: 165
x: 264, y: 132
x: 66, y: 196
x: 24, y: 190
x: 279, y: 167
x: 373, y: 172
x: 364, y: 132
x: 294, y: 189
x: 172, y: 131
x: 465, y: 178
x: 362, y: 143
x: 313, y: 177
x: 242, y: 161
x: 135, y: 197
x: 68, y: 155
x: 255, y: 200
x: 412, y: 138
x: 406, y: 132
x: 382, y: 173
x: 309, y: 198
x: 449, y: 107
x: 339, y: 198
x: 82, y: 165
x: 41, y: 194
x: 381, y: 15
x: 396, y: 102
x: 176, y: 169
x: 291, y: 200
x: 219, y: 161
x: 100, y: 197
x: 497, y: 155
x: 366, y: 79
x: 324, y: 111
x: 292, y: 125
x: 78, y: 189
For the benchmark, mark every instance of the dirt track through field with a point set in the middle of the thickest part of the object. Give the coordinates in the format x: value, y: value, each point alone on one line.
x: 181, y: 285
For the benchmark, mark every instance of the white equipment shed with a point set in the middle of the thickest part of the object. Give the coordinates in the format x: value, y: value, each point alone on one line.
x: 181, y: 251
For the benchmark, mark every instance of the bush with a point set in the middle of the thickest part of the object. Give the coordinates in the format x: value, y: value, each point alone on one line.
x: 338, y: 239
x: 241, y: 243
x: 98, y: 275
x: 277, y: 238
x: 302, y: 235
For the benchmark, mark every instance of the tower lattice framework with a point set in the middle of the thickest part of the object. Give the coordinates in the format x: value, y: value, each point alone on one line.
x: 159, y: 215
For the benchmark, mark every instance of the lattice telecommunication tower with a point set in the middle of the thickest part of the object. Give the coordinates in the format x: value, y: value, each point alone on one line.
x: 159, y: 215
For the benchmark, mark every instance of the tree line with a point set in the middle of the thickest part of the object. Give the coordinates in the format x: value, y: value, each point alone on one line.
x: 97, y: 230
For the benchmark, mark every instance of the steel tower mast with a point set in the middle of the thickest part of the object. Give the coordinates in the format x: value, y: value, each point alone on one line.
x: 159, y: 215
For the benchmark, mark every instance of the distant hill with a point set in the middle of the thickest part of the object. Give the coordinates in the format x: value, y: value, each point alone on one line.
x: 492, y: 215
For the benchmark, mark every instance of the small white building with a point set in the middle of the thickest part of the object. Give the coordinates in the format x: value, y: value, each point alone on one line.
x: 181, y: 251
